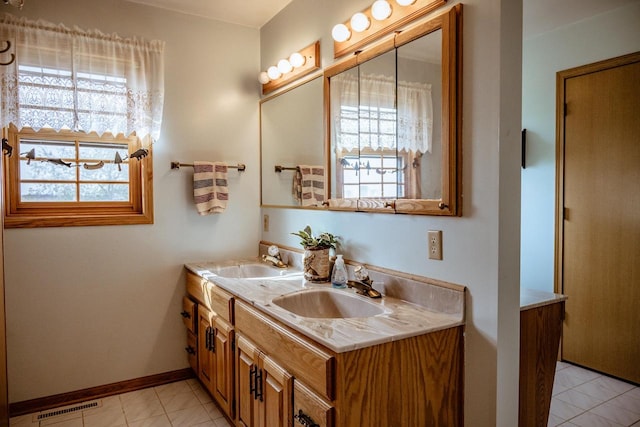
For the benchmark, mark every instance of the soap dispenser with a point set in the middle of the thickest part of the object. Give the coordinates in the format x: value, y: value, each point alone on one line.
x: 339, y: 274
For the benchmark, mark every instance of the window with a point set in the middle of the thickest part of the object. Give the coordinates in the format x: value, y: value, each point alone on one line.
x: 72, y: 178
x: 75, y: 105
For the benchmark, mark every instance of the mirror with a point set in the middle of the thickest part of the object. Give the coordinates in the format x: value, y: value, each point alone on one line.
x: 291, y: 134
x: 393, y: 123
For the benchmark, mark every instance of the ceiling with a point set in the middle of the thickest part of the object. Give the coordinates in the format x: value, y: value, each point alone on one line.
x: 539, y: 15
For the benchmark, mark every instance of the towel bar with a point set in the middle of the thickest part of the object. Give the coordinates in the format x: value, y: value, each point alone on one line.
x: 240, y: 166
x: 279, y: 168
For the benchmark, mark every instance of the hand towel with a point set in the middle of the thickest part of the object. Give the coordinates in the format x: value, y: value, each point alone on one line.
x: 210, y: 191
x: 296, y: 188
x: 312, y: 185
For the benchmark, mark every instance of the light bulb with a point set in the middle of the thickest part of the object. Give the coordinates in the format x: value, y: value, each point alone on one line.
x: 284, y: 66
x: 340, y: 33
x: 359, y: 22
x: 381, y: 10
x: 264, y: 78
x: 273, y: 72
x: 297, y: 60
x: 405, y: 2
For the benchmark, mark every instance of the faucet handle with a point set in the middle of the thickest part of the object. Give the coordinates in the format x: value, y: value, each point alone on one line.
x: 274, y: 251
x: 361, y: 273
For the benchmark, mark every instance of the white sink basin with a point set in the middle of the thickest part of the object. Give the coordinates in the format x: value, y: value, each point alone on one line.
x: 328, y: 304
x: 255, y: 271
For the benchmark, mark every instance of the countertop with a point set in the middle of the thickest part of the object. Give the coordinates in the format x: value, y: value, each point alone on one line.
x: 400, y: 319
x: 533, y: 298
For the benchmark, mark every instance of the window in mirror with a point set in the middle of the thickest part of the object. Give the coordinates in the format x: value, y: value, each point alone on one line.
x: 393, y: 122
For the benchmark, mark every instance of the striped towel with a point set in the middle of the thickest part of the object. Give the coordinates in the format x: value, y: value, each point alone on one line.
x: 210, y: 191
x: 311, y: 188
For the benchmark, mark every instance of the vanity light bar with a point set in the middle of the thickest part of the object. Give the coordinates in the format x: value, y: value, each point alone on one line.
x: 298, y: 65
x: 376, y: 21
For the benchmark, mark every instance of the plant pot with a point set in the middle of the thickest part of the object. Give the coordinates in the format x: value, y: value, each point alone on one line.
x: 316, y: 264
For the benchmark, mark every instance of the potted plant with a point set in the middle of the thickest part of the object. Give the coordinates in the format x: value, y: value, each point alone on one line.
x: 316, y: 259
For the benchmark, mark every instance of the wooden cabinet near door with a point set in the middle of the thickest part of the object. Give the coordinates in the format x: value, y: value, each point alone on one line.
x: 264, y: 389
x: 211, y: 340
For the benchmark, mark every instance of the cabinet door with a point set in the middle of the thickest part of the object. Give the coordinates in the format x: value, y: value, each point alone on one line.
x: 223, y: 366
x: 276, y: 384
x: 247, y: 409
x: 205, y: 353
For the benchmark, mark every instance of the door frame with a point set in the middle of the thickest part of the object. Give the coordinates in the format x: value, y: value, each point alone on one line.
x: 561, y: 78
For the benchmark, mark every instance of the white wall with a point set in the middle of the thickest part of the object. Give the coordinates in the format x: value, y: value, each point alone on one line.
x: 604, y: 36
x: 89, y: 306
x: 481, y: 249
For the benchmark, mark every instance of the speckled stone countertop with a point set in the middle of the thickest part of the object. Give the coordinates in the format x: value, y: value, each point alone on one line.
x: 432, y: 308
x: 532, y: 298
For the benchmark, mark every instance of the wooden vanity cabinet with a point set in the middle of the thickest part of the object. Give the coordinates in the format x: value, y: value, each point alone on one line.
x: 264, y: 389
x: 214, y: 352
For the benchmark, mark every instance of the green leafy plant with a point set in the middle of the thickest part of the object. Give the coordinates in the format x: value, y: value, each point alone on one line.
x: 321, y: 241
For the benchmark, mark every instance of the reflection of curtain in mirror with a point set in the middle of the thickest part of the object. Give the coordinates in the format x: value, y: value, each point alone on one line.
x: 413, y: 189
x: 415, y: 117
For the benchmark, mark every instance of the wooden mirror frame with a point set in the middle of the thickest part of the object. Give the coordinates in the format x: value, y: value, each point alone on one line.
x: 450, y: 203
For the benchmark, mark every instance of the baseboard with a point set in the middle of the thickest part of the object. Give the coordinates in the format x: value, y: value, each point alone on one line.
x: 43, y: 403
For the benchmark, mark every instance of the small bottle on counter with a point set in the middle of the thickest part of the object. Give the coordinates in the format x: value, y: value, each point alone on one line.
x: 339, y: 273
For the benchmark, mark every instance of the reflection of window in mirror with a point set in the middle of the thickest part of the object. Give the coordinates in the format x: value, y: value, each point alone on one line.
x: 419, y: 108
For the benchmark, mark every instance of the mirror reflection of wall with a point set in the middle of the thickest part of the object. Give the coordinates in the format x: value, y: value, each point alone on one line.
x: 292, y: 132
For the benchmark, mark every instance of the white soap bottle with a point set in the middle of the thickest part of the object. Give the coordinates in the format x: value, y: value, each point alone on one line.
x: 339, y: 273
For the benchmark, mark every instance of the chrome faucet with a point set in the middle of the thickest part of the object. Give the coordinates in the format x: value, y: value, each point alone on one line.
x: 364, y: 284
x: 274, y: 257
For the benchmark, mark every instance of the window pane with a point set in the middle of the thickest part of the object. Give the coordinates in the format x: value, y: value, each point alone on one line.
x: 370, y: 190
x: 350, y: 192
x: 48, y: 192
x: 49, y: 149
x: 389, y: 190
x: 109, y: 172
x: 104, y: 192
x: 102, y: 151
x: 46, y: 171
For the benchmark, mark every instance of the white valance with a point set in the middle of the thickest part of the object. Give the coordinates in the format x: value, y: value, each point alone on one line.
x: 81, y: 80
x: 362, y: 107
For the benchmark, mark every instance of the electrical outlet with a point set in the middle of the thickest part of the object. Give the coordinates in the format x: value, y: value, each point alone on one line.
x: 265, y: 223
x: 435, y: 244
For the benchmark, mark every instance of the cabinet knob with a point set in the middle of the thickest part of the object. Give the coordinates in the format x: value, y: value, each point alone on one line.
x: 186, y: 314
x: 442, y: 206
x: 190, y: 350
x: 305, y: 419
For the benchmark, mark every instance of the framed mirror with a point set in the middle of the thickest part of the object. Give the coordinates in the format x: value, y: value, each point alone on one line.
x: 291, y: 135
x: 393, y: 122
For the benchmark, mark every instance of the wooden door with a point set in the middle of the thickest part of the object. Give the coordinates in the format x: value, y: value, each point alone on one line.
x: 205, y: 354
x: 599, y: 215
x: 246, y: 411
x: 223, y: 366
x: 277, y: 392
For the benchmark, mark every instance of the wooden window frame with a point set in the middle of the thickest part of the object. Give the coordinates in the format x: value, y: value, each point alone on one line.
x: 18, y: 214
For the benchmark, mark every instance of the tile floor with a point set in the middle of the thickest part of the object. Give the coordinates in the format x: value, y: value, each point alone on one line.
x: 179, y: 404
x: 580, y: 398
x: 588, y: 399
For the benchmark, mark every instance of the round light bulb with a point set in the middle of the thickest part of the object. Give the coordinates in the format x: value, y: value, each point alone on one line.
x: 405, y: 2
x: 284, y: 66
x: 273, y: 72
x: 381, y: 10
x: 359, y: 22
x: 264, y: 78
x: 297, y: 60
x: 340, y: 33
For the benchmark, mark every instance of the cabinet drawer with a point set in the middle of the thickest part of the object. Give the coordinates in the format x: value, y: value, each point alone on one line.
x: 211, y: 296
x: 189, y: 314
x: 309, y: 408
x: 299, y: 357
x: 221, y: 302
x: 196, y: 287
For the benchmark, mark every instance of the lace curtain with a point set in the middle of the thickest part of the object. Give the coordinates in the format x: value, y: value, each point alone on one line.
x: 80, y: 80
x: 371, y: 98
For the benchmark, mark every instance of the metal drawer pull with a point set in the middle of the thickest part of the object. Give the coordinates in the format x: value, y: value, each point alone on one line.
x: 185, y: 314
x: 252, y: 380
x: 305, y: 419
x: 259, y: 384
x: 190, y: 350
